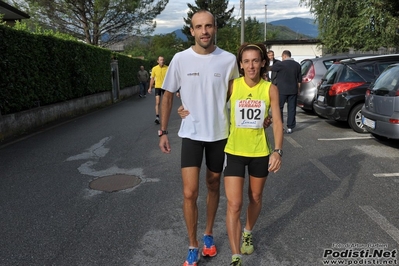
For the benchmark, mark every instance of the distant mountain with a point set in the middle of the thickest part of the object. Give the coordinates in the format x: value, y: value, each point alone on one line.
x: 305, y: 26
x: 287, y: 29
x: 179, y: 34
x: 285, y: 33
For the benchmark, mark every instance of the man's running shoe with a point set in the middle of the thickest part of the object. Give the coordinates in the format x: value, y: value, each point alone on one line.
x: 236, y: 261
x: 157, y: 120
x: 192, y: 257
x: 247, y: 247
x: 209, y: 248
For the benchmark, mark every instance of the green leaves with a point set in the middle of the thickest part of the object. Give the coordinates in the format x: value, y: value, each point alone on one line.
x: 38, y: 70
x: 217, y: 7
x: 89, y: 20
x: 362, y: 25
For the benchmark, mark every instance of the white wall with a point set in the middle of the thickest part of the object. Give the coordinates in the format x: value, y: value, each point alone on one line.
x: 299, y: 52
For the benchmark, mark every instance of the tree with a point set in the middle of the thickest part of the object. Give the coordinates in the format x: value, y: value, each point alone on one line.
x: 362, y: 25
x: 151, y: 47
x: 91, y: 20
x: 166, y: 45
x: 229, y: 38
x: 380, y: 24
x: 216, y: 7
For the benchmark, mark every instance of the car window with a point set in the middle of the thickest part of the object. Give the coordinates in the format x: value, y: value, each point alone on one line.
x: 348, y: 74
x: 382, y: 66
x: 387, y: 83
x: 328, y: 63
x: 369, y: 68
x: 329, y: 77
x: 305, y: 66
x: 364, y: 71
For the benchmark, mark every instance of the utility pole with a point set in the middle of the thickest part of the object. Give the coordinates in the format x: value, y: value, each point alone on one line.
x: 265, y: 19
x: 242, y: 20
x: 216, y: 22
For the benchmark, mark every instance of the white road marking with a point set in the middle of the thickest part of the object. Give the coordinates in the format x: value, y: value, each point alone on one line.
x: 293, y: 142
x: 382, y: 222
x: 348, y: 138
x: 325, y: 170
x: 386, y: 175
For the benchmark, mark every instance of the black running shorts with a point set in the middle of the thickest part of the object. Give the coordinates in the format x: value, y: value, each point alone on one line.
x: 159, y: 92
x: 192, y: 152
x: 257, y: 166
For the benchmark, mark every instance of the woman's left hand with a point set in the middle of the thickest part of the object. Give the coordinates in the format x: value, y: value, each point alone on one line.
x: 274, y: 162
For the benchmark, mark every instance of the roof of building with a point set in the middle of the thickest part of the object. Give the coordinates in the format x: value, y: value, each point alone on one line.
x: 11, y: 13
x: 304, y: 41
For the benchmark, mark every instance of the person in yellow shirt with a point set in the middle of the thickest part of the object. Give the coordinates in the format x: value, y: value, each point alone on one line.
x: 158, y: 74
x: 251, y: 98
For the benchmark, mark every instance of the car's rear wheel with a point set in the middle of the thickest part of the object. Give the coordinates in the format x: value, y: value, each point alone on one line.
x: 355, y: 119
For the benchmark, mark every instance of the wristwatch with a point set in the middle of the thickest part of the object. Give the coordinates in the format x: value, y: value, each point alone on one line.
x: 162, y: 132
x: 280, y: 152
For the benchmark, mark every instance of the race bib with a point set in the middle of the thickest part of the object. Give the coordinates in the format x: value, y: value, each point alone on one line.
x: 250, y: 113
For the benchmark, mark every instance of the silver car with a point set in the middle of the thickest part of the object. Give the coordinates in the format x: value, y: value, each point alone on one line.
x: 380, y: 112
x: 312, y: 71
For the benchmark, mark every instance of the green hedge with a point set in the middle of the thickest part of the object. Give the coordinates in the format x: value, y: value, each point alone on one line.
x: 37, y: 70
x: 128, y: 68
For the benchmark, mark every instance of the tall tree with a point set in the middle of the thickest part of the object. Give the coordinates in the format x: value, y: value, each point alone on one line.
x: 150, y: 47
x: 217, y: 7
x: 362, y: 25
x: 89, y: 20
x: 229, y: 38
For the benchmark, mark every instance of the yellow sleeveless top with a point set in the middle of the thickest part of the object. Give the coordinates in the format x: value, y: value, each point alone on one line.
x: 249, y: 107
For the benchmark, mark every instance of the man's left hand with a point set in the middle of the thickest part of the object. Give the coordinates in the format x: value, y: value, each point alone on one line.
x: 267, y: 122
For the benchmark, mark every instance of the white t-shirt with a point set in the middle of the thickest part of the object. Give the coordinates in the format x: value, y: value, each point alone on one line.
x: 203, y: 81
x: 270, y: 64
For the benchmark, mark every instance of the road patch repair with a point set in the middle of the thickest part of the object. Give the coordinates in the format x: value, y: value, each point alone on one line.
x: 112, y: 179
x: 114, y: 183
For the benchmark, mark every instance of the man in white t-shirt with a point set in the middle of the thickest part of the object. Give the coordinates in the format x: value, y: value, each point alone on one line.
x: 202, y: 74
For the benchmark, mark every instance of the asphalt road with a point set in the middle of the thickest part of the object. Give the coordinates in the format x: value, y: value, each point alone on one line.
x: 337, y: 191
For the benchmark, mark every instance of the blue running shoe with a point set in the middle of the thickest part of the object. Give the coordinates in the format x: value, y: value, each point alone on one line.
x: 192, y: 257
x: 209, y: 248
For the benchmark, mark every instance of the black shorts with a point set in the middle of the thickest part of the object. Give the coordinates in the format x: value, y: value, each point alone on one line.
x: 159, y: 91
x: 192, y: 152
x: 257, y: 166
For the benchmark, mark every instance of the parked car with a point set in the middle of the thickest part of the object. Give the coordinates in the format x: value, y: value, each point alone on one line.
x: 380, y: 112
x: 313, y: 70
x: 341, y: 93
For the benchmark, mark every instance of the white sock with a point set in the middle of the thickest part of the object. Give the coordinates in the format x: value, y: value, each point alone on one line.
x: 247, y: 231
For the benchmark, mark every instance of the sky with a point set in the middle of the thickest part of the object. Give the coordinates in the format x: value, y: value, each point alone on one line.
x: 172, y: 17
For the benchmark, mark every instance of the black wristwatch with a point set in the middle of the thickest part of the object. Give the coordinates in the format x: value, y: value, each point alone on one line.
x: 162, y: 132
x: 280, y: 152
